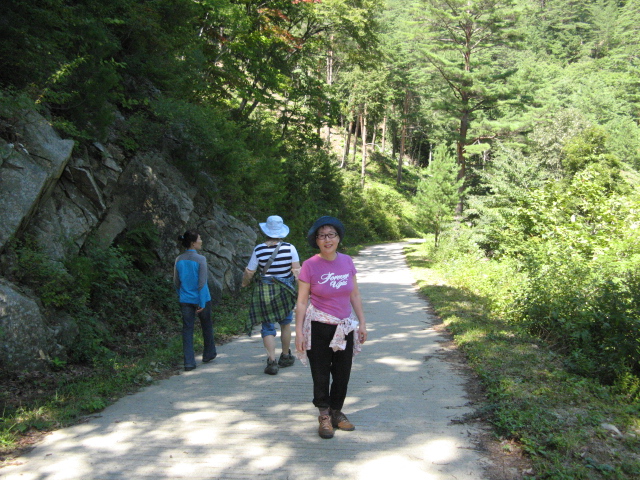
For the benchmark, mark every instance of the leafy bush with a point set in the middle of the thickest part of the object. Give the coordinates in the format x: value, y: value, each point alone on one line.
x: 117, y: 306
x: 202, y: 138
x: 567, y: 272
x: 589, y: 149
x: 506, y: 183
x: 385, y: 211
x: 624, y: 140
x: 51, y: 280
x: 586, y: 310
x: 139, y: 243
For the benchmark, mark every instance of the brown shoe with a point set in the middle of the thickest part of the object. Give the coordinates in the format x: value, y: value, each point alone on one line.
x: 325, y: 430
x: 340, y: 420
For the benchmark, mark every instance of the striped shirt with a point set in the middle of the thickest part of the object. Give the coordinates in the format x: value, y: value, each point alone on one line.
x: 281, y: 266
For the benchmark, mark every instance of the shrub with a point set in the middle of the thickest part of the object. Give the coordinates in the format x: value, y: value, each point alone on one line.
x: 139, y: 243
x: 49, y: 279
x: 117, y: 306
x: 587, y: 313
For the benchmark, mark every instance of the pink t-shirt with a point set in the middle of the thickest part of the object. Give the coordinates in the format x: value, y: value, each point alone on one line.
x: 331, y: 283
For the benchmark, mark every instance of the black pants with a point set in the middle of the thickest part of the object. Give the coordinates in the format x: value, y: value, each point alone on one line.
x: 325, y: 364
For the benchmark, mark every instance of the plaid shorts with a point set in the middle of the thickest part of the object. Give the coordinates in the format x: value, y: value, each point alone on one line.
x: 273, y: 300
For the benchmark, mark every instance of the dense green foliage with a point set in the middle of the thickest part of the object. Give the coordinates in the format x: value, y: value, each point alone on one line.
x: 536, y: 404
x: 138, y: 312
x: 543, y: 108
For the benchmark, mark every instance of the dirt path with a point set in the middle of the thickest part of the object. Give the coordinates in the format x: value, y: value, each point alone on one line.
x: 228, y: 420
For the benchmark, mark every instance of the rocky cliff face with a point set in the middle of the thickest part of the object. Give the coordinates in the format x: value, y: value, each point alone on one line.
x: 65, y: 198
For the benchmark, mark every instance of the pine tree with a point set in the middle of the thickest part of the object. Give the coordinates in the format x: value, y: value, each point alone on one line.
x: 466, y: 43
x: 438, y: 192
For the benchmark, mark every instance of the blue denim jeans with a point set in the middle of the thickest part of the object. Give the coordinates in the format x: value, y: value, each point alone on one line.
x: 188, y: 319
x: 270, y: 328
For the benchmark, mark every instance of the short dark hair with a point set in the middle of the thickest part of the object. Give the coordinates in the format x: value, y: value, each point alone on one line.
x: 188, y: 237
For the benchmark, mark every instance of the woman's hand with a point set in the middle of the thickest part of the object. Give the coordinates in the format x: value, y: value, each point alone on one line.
x: 362, y: 333
x: 300, y: 343
x: 356, y: 303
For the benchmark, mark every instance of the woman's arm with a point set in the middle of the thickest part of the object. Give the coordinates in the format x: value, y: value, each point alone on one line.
x: 203, y: 275
x: 356, y: 303
x: 247, y: 276
x: 249, y: 272
x: 295, y: 268
x: 304, y: 289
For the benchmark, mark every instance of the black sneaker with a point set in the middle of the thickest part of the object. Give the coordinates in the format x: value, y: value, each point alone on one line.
x: 207, y: 360
x: 286, y: 360
x: 272, y: 367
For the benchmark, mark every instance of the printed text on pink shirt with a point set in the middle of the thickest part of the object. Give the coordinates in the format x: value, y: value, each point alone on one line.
x: 336, y: 281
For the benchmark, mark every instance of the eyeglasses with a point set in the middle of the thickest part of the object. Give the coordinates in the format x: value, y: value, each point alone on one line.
x: 323, y: 236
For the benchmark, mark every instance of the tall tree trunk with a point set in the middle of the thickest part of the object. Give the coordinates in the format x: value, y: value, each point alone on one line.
x: 329, y: 83
x: 401, y: 153
x: 373, y: 138
x: 384, y: 133
x: 251, y: 108
x: 460, y: 151
x: 403, y: 137
x: 394, y: 144
x: 355, y: 138
x: 285, y: 122
x: 345, y: 152
x: 363, y: 170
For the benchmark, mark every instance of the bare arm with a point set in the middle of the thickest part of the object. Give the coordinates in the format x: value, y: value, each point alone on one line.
x: 356, y: 303
x: 304, y: 289
x: 247, y: 276
x: 295, y: 268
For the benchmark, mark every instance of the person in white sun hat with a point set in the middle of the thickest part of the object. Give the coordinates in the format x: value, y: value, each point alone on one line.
x: 275, y: 294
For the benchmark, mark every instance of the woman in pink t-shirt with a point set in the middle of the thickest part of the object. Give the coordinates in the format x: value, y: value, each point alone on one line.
x: 330, y: 323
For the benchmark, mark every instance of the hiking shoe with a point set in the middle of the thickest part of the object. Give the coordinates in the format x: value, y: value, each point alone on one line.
x: 325, y: 430
x: 286, y: 360
x: 207, y: 360
x: 272, y: 367
x: 340, y: 420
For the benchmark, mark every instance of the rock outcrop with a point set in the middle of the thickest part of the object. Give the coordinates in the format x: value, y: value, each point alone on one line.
x: 29, y: 172
x: 64, y: 198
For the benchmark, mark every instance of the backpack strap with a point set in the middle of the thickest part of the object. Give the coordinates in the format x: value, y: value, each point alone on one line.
x: 271, y: 258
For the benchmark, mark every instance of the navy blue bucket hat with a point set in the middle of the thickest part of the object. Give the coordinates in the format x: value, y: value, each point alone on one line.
x: 321, y: 222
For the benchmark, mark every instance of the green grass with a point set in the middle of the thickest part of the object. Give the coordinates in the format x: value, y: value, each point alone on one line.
x: 555, y: 416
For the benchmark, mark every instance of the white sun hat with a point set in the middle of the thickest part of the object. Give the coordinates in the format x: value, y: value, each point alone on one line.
x: 274, y: 227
